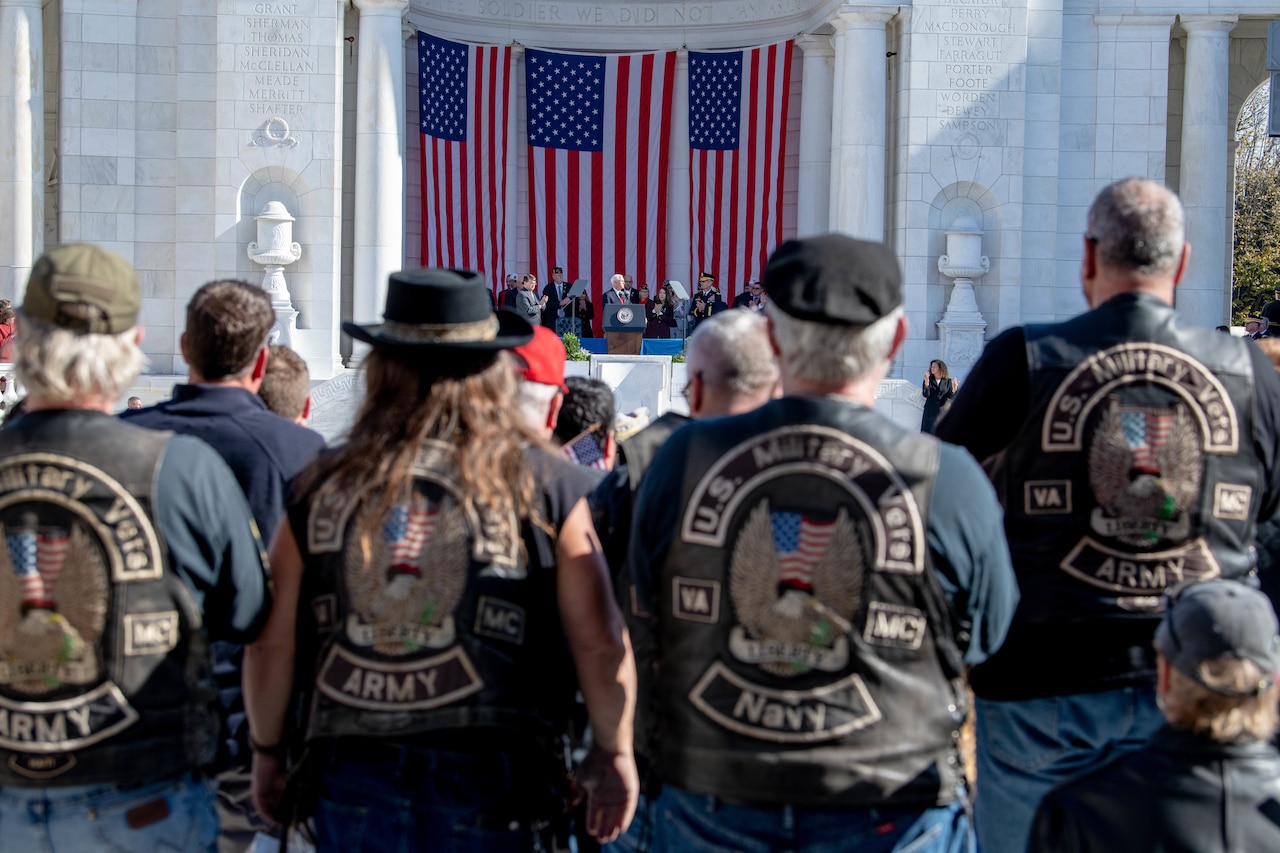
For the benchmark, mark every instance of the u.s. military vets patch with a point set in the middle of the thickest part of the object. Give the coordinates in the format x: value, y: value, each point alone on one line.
x: 67, y: 531
x: 1145, y: 416
x: 399, y: 647
x: 807, y: 514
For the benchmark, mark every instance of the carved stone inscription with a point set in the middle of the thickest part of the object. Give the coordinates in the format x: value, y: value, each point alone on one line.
x: 975, y: 50
x: 274, y: 55
x: 619, y: 14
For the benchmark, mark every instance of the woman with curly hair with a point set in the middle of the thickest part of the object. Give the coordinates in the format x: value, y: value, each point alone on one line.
x: 937, y: 389
x: 440, y: 594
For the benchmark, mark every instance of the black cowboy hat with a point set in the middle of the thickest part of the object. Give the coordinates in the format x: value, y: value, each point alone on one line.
x: 442, y: 309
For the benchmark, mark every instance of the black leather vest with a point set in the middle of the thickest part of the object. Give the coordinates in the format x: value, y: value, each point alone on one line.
x: 637, y: 452
x: 1135, y: 470
x: 437, y: 620
x: 806, y: 646
x: 104, y: 670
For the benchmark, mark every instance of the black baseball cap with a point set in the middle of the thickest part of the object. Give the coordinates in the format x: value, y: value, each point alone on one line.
x: 1220, y: 618
x: 834, y: 279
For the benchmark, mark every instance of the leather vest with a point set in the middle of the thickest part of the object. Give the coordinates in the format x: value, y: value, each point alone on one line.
x: 1135, y: 470
x: 104, y: 670
x: 807, y: 652
x: 429, y: 618
x: 638, y: 451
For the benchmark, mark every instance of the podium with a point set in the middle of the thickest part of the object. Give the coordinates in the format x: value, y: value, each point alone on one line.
x: 623, y: 328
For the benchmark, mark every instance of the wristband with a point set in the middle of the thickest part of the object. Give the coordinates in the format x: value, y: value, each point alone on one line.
x: 276, y: 750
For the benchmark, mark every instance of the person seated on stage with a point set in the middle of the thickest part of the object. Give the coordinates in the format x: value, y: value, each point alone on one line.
x: 1209, y: 779
x: 659, y: 313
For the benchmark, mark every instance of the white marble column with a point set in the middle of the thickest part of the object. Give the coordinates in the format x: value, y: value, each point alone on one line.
x: 678, y: 215
x: 813, y: 191
x: 858, y: 121
x: 21, y: 142
x: 1203, y: 295
x: 379, y: 181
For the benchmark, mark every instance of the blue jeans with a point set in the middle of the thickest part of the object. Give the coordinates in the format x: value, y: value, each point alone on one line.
x: 406, y: 799
x: 686, y: 821
x: 177, y: 814
x: 1027, y: 747
x: 639, y: 835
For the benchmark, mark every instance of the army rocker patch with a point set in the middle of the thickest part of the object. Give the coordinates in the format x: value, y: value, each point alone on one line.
x: 67, y: 530
x: 808, y: 515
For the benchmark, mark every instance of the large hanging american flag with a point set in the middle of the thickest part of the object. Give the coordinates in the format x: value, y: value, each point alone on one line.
x: 598, y: 164
x: 738, y: 105
x: 465, y: 92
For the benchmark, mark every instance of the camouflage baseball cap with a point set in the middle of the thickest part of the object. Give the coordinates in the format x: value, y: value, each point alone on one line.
x: 83, y: 288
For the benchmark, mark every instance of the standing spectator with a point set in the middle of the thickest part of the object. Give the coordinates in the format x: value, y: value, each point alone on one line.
x: 129, y: 552
x: 584, y: 426
x: 1209, y: 780
x: 555, y: 299
x: 815, y: 579
x: 660, y: 315
x: 540, y: 393
x: 752, y: 296
x: 8, y: 331
x: 706, y: 302
x: 1133, y: 449
x: 1257, y: 328
x: 286, y: 386
x: 225, y: 345
x: 732, y: 370
x: 1271, y: 311
x: 585, y: 312
x: 528, y: 305
x: 510, y: 293
x: 133, y: 403
x: 446, y: 563
x: 937, y: 389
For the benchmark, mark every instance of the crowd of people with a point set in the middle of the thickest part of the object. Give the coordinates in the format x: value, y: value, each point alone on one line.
x: 500, y: 616
x: 667, y: 315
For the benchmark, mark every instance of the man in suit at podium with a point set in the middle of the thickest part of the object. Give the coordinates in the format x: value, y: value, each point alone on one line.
x: 619, y: 339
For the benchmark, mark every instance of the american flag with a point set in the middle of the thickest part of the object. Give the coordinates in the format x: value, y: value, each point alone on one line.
x: 37, y: 561
x: 738, y: 105
x: 585, y: 450
x: 598, y: 164
x: 799, y: 542
x: 406, y: 530
x: 465, y: 91
x: 1146, y: 432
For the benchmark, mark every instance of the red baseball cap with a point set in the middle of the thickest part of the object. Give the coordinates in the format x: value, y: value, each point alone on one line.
x: 542, y: 359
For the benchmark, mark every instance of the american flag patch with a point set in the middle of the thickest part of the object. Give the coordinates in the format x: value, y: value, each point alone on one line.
x: 37, y: 561
x: 799, y: 542
x: 406, y: 531
x: 1145, y: 432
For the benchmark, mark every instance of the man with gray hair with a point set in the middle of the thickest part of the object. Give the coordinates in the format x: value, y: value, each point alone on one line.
x: 1134, y: 449
x: 815, y: 578
x: 731, y: 370
x: 123, y: 553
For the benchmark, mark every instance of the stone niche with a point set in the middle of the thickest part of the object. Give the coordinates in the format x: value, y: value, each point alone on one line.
x: 279, y: 119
